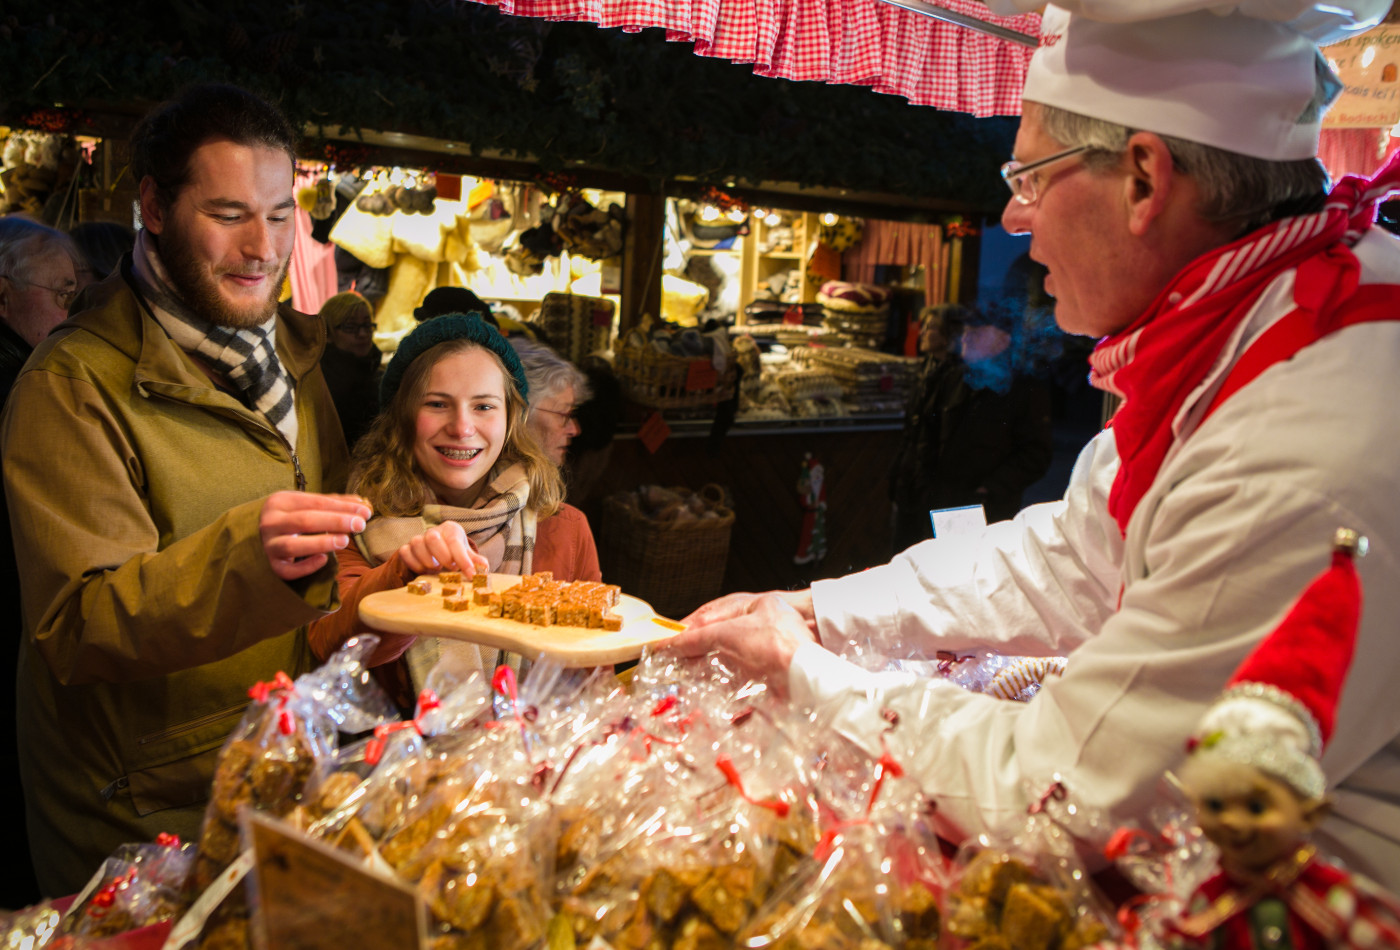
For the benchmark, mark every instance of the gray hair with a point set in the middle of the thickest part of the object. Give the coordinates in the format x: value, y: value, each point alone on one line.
x: 23, y: 241
x: 1234, y: 187
x: 548, y: 373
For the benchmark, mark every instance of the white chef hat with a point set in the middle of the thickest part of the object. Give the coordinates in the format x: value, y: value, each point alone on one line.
x: 1245, y: 83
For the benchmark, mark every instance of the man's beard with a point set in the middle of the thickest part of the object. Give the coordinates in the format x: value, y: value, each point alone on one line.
x: 200, y: 292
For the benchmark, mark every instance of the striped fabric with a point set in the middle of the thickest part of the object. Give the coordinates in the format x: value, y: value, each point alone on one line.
x: 247, y: 358
x: 855, y: 42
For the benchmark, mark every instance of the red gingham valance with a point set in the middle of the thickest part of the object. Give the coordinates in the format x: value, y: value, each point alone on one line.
x: 861, y: 42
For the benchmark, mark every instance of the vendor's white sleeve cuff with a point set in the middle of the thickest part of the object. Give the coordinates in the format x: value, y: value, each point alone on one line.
x: 817, y: 675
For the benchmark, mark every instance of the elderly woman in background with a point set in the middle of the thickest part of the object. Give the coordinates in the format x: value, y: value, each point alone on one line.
x: 564, y: 542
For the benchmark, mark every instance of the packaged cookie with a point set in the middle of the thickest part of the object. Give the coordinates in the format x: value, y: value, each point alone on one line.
x: 137, y: 885
x: 1030, y: 892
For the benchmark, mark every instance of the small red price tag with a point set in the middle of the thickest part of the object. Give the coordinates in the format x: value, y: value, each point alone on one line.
x: 886, y: 383
x: 793, y: 315
x: 653, y: 432
x: 602, y: 316
x: 701, y: 375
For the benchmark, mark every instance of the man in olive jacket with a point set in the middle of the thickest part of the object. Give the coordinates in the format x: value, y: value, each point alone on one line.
x: 164, y: 455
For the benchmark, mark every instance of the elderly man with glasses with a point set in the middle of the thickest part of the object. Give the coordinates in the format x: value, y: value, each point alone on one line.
x: 1249, y: 318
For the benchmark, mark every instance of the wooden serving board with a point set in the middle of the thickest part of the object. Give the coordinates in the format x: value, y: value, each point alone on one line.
x: 398, y: 611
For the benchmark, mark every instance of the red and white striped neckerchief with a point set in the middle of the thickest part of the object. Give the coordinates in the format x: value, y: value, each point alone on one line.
x: 1163, y: 356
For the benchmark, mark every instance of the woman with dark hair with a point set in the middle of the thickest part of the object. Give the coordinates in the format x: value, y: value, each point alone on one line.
x: 455, y: 476
x: 350, y: 362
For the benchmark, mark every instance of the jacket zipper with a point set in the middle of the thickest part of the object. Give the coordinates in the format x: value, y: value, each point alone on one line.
x: 190, y: 726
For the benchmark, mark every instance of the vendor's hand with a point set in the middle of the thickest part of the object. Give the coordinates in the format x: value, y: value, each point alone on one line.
x: 299, y: 530
x: 756, y: 633
x: 736, y: 605
x: 443, y: 547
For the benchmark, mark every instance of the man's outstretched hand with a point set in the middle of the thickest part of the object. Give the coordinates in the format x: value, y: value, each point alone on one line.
x: 300, y: 530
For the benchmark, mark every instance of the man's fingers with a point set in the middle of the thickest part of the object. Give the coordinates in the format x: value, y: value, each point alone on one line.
x: 690, y: 643
x: 292, y: 546
x: 725, y: 608
x: 296, y: 569
x: 311, y: 521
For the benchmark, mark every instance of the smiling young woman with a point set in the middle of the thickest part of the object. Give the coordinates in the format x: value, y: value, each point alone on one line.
x: 456, y: 478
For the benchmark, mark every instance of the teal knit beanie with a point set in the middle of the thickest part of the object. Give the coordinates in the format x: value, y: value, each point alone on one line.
x: 449, y: 326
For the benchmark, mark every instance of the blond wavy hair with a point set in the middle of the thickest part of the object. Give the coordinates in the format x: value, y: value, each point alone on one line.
x: 384, y: 471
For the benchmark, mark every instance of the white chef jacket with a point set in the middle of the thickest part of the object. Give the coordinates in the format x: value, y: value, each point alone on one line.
x: 1238, y: 522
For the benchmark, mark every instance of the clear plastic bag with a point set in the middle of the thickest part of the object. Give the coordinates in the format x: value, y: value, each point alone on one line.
x: 137, y: 885
x: 1030, y: 891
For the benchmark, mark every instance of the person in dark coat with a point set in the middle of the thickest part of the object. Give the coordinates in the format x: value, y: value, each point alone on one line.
x: 975, y: 432
x: 351, y: 362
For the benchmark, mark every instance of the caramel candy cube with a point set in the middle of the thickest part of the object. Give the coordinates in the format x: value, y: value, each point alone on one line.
x: 421, y: 586
x: 595, y: 614
x: 480, y: 596
x: 540, y: 613
x: 544, y: 576
x: 451, y: 590
x: 480, y: 580
x: 450, y: 577
x: 614, y: 594
x: 494, y: 607
x: 513, y: 608
x: 612, y: 622
x: 457, y: 602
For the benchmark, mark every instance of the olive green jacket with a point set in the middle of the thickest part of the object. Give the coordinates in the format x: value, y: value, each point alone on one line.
x: 134, y: 487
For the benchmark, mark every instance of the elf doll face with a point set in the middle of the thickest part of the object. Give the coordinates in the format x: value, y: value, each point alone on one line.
x: 1254, y: 819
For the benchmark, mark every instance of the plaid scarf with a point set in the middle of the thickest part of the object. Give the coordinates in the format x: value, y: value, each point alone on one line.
x: 1157, y: 362
x: 247, y: 358
x: 503, y: 529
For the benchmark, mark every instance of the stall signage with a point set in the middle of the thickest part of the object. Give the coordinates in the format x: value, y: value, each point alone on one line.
x: 308, y: 895
x: 701, y: 376
x: 653, y: 432
x: 1369, y: 67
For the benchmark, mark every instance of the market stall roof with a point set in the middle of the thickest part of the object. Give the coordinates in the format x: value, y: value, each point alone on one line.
x: 953, y: 55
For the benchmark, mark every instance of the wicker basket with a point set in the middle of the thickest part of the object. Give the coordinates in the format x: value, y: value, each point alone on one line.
x: 665, y: 381
x: 673, y: 565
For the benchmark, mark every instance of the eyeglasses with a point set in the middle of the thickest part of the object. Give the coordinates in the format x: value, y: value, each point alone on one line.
x: 566, y: 416
x: 1024, y: 185
x: 357, y: 328
x: 62, y: 296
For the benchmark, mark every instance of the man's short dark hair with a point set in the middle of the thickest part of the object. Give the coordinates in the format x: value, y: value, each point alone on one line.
x: 163, y: 141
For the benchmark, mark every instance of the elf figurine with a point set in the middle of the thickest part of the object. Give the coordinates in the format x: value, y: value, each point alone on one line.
x: 1254, y: 777
x: 811, y: 490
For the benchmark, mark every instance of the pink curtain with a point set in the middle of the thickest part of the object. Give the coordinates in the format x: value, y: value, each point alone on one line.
x: 859, y: 42
x: 313, y: 263
x: 904, y: 244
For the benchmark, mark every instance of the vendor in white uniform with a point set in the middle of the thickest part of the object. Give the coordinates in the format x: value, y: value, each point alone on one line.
x: 1165, y: 172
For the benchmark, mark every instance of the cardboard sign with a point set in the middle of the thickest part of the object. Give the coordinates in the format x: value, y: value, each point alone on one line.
x: 308, y: 895
x: 700, y: 376
x: 653, y: 432
x: 1369, y: 67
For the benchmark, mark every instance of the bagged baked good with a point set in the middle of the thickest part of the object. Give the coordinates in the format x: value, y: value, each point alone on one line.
x: 274, y: 762
x: 137, y: 885
x: 676, y: 825
x: 1030, y: 892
